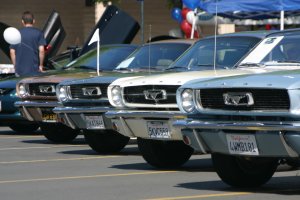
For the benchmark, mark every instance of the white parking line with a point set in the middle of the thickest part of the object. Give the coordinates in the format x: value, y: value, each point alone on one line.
x: 48, y: 147
x: 57, y: 159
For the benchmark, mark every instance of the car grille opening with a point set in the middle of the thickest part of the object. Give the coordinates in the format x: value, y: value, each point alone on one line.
x: 264, y: 99
x: 150, y: 94
x: 88, y: 91
x: 42, y: 89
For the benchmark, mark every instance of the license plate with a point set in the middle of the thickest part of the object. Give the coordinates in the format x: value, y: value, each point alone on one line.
x: 94, y: 122
x: 158, y: 129
x: 46, y: 117
x: 242, y: 144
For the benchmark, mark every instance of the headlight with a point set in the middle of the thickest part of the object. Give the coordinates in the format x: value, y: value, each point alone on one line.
x: 187, y: 100
x: 61, y: 93
x: 22, y: 93
x: 116, y: 96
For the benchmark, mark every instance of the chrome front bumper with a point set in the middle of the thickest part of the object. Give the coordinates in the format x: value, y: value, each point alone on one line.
x: 33, y: 111
x: 75, y: 117
x: 274, y: 139
x: 134, y: 123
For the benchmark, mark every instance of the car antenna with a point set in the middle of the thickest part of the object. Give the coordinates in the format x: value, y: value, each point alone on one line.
x: 215, y: 37
x: 149, y: 54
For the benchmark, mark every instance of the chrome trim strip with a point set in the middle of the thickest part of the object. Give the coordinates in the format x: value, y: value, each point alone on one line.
x: 199, y: 141
x: 81, y: 109
x: 27, y: 114
x: 140, y: 114
x: 35, y: 104
x: 289, y: 150
x: 262, y: 126
x: 69, y: 121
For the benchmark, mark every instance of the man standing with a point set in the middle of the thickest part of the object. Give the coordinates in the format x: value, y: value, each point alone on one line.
x: 28, y: 56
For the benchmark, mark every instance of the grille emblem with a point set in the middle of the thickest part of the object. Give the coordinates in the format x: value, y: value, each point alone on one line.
x: 91, y: 91
x: 155, y: 95
x: 238, y: 99
x: 47, y: 88
x: 2, y: 91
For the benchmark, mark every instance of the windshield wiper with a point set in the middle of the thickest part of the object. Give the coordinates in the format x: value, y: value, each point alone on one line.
x: 250, y: 64
x: 176, y: 67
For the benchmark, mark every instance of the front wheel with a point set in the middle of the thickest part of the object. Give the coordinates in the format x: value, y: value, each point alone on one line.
x: 105, y: 141
x: 164, y: 154
x: 59, y: 133
x: 244, y: 171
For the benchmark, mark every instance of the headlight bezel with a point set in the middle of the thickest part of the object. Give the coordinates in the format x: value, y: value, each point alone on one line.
x: 187, y: 100
x: 115, y: 96
x: 62, y: 93
x: 22, y: 91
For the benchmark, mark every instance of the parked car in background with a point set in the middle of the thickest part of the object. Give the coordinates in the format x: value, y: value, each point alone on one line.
x: 147, y: 105
x: 83, y: 102
x: 37, y: 94
x: 248, y: 123
x: 54, y: 34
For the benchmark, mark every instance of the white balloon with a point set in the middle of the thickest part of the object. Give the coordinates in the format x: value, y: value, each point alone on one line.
x: 190, y: 17
x: 12, y: 35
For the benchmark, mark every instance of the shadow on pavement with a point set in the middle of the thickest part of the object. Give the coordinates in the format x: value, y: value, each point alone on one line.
x: 289, y: 185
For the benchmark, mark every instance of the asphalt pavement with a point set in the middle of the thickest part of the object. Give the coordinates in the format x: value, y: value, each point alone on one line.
x: 31, y: 168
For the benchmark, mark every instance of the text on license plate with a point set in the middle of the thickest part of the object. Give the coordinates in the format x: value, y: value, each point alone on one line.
x: 242, y: 144
x: 158, y: 129
x: 49, y: 117
x: 94, y: 122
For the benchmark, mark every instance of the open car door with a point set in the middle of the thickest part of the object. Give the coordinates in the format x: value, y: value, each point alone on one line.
x: 115, y: 27
x: 54, y: 34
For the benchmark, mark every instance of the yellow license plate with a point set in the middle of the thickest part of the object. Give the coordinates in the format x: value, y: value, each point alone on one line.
x: 49, y: 117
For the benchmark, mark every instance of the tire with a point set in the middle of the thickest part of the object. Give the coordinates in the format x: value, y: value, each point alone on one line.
x: 59, y: 133
x: 24, y: 128
x: 105, y: 141
x: 244, y: 172
x: 164, y: 154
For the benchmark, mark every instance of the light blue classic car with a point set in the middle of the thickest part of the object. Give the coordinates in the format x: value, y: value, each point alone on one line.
x: 249, y: 123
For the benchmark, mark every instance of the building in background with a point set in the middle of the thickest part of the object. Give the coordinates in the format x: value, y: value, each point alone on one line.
x: 79, y: 16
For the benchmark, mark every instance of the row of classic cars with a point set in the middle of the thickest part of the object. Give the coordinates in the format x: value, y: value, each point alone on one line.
x: 220, y: 100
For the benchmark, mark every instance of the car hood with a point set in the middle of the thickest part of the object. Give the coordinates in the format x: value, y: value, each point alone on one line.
x: 178, y: 78
x: 71, y: 77
x: 289, y: 79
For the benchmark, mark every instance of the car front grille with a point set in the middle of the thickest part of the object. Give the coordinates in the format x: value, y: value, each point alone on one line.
x: 42, y: 89
x: 88, y: 91
x: 263, y: 99
x: 150, y: 94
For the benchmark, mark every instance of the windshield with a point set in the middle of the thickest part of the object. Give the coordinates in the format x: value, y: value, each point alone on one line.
x: 158, y: 55
x: 276, y: 50
x: 229, y: 50
x: 110, y: 57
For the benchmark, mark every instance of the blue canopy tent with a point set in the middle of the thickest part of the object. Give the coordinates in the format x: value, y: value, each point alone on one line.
x: 252, y: 9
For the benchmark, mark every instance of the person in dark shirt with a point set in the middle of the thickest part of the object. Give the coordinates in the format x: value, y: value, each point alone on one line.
x: 28, y: 56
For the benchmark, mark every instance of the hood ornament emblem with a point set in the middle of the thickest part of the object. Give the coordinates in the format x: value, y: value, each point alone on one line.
x: 238, y: 99
x: 91, y: 91
x: 47, y: 89
x: 155, y: 95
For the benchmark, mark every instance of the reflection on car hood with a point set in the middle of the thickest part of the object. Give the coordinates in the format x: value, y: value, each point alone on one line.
x: 178, y: 78
x: 289, y: 79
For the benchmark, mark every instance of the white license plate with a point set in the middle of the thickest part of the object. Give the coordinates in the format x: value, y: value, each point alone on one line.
x: 242, y: 144
x: 158, y: 129
x: 94, y: 122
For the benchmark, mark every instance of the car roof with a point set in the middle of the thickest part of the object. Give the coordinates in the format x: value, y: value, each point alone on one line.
x: 184, y: 41
x: 258, y: 34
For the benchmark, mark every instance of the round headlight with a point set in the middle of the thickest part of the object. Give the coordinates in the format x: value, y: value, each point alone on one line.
x: 116, y: 96
x: 22, y: 91
x: 61, y: 93
x: 187, y: 100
